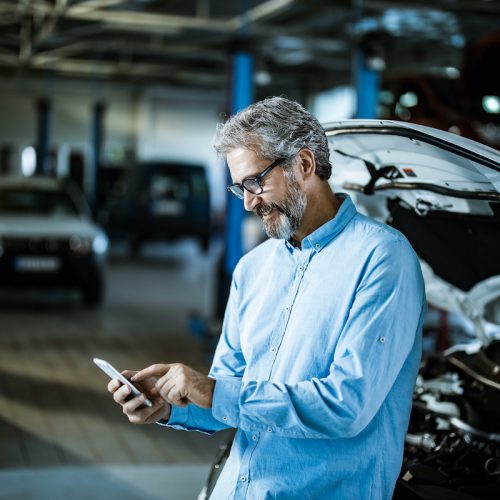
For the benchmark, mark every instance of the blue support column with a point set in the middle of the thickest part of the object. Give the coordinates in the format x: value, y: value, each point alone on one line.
x: 367, y: 87
x: 97, y: 142
x: 43, y: 137
x: 242, y: 96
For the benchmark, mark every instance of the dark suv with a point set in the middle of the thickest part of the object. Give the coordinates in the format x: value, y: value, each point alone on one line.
x: 169, y: 201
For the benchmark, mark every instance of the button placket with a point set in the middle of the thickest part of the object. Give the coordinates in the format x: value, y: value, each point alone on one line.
x: 301, y: 262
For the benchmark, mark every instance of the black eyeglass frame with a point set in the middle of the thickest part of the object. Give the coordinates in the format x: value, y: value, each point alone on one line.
x: 258, y: 179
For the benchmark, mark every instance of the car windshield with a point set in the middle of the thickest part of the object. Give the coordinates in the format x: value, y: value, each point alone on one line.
x: 16, y: 201
x: 169, y: 186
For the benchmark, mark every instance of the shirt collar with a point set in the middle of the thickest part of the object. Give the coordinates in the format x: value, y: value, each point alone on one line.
x: 319, y: 238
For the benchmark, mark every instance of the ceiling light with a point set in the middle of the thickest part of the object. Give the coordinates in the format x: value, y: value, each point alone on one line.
x: 386, y: 97
x: 262, y: 78
x: 452, y: 72
x: 409, y: 99
x: 491, y: 104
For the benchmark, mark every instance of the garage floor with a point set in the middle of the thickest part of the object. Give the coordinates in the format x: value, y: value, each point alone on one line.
x: 61, y: 435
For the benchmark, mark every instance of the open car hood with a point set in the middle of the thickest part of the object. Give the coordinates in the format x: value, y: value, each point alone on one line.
x: 443, y: 192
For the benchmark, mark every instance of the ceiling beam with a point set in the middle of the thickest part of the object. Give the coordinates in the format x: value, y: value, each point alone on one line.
x: 264, y: 11
x: 151, y: 20
x: 129, y: 47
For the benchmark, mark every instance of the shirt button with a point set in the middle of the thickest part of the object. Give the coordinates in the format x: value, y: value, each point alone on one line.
x: 301, y: 268
x: 224, y: 418
x: 254, y: 437
x: 318, y: 246
x: 382, y: 339
x: 269, y: 429
x: 273, y: 349
x: 243, y: 478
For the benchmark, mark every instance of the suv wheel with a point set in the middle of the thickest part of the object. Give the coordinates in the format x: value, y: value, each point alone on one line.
x: 93, y: 295
x: 205, y: 243
x: 135, y: 247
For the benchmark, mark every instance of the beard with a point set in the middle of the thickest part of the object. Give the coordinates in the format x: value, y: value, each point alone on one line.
x: 290, y: 212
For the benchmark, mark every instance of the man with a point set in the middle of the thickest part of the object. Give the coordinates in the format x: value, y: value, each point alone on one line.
x: 321, y: 339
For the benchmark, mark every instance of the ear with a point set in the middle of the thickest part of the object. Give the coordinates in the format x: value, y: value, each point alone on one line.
x: 307, y: 163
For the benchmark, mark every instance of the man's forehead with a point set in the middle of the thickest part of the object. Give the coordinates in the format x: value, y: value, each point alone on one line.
x: 241, y: 155
x: 243, y: 163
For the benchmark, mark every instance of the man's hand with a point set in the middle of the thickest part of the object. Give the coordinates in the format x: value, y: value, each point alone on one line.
x: 179, y: 384
x: 134, y: 408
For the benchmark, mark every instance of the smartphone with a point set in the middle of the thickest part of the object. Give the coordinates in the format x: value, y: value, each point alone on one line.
x: 112, y: 372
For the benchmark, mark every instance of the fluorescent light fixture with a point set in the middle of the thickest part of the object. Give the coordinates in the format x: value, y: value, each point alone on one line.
x: 28, y: 161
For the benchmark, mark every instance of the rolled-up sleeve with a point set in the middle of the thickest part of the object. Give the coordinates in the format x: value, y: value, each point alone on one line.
x: 193, y: 418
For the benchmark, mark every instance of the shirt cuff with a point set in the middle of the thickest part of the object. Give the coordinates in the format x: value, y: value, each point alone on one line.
x: 192, y: 418
x: 225, y: 402
x: 178, y: 418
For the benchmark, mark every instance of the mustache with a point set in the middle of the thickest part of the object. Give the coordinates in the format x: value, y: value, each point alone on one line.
x: 266, y: 208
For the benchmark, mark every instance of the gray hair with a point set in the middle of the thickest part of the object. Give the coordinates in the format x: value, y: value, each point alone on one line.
x: 275, y: 128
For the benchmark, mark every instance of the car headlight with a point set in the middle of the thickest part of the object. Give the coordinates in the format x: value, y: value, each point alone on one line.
x: 100, y: 244
x: 80, y: 244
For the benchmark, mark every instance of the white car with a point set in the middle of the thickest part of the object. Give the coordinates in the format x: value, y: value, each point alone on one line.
x: 48, y: 239
x: 443, y: 192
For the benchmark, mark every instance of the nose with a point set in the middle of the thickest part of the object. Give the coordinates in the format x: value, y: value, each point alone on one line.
x: 250, y: 201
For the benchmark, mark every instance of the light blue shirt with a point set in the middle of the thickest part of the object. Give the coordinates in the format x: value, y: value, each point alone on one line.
x: 316, y: 364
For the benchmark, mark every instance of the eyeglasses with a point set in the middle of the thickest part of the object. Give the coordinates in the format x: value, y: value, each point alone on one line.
x: 253, y: 184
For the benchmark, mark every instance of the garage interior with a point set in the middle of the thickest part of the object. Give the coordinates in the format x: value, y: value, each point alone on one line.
x: 93, y: 91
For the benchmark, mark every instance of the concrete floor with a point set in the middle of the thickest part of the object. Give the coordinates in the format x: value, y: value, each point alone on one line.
x: 61, y: 435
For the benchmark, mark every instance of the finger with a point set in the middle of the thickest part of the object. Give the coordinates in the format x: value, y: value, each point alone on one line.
x: 128, y: 374
x: 165, y: 383
x: 121, y: 394
x: 113, y: 385
x: 132, y: 405
x: 147, y: 384
x: 157, y: 370
x: 145, y: 414
x: 164, y: 389
x: 159, y: 413
x: 176, y: 396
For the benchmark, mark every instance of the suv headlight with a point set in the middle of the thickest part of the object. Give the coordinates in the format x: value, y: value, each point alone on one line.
x: 100, y: 244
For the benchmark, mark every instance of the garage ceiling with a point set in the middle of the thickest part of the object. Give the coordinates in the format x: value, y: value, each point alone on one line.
x: 187, y: 42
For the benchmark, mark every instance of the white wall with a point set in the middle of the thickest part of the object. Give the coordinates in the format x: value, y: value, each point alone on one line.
x: 180, y: 125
